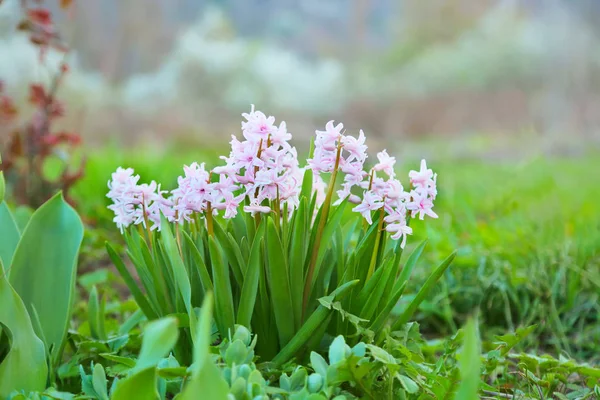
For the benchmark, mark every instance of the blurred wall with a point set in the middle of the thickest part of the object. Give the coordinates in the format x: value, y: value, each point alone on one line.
x: 171, y: 68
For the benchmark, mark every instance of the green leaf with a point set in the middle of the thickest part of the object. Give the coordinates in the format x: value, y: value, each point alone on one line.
x: 206, y: 378
x: 424, y: 291
x: 139, y: 386
x: 307, y: 183
x: 159, y: 338
x: 24, y: 367
x: 137, y: 294
x: 9, y: 235
x: 316, y: 319
x: 250, y: 287
x: 232, y: 252
x: 410, y: 263
x: 99, y: 382
x: 199, y: 263
x: 279, y: 285
x: 408, y: 384
x: 225, y: 315
x: 44, y: 269
x: 180, y: 274
x: 96, y: 315
x: 299, y: 242
x: 469, y: 364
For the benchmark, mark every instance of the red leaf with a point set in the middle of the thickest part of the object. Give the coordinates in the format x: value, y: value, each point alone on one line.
x: 37, y: 94
x: 40, y: 16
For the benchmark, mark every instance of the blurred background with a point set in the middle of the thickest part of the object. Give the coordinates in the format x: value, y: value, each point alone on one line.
x: 496, y: 78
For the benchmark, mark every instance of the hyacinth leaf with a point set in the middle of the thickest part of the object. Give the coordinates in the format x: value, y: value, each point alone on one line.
x: 410, y: 263
x: 279, y: 285
x: 137, y: 294
x: 424, y: 291
x: 307, y: 184
x: 233, y: 257
x: 206, y: 377
x: 250, y: 287
x: 469, y: 364
x: 24, y: 367
x: 374, y: 298
x: 96, y: 315
x: 297, y: 256
x: 9, y: 235
x: 384, y: 314
x: 332, y: 224
x: 55, y: 231
x: 159, y: 338
x: 225, y: 315
x: 312, y: 324
x: 180, y: 274
x: 199, y: 263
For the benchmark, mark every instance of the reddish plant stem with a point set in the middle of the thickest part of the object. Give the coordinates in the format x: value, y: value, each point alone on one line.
x: 318, y: 237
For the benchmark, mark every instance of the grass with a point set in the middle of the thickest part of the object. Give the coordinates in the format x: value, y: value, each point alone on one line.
x: 528, y: 237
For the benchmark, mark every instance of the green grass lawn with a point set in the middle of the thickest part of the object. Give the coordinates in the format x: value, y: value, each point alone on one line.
x: 527, y: 234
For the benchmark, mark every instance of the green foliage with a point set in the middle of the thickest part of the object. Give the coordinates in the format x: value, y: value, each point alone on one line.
x: 37, y: 287
x: 469, y: 364
x: 24, y: 367
x: 55, y: 232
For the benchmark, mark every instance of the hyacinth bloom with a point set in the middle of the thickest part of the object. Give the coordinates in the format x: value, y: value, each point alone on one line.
x: 262, y: 175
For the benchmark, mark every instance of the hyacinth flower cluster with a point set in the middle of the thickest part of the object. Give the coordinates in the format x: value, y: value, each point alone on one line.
x: 262, y: 173
x: 282, y: 246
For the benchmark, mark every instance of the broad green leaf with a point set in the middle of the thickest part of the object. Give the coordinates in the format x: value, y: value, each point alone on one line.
x: 470, y: 364
x: 44, y: 269
x: 138, y: 386
x: 159, y: 338
x: 22, y: 215
x: 424, y: 291
x: 9, y: 235
x: 24, y: 367
x: 279, y: 285
x: 225, y: 314
x: 206, y: 378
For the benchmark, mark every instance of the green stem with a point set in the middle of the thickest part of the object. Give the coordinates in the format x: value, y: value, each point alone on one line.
x: 376, y: 248
x: 319, y: 235
x: 209, y: 219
